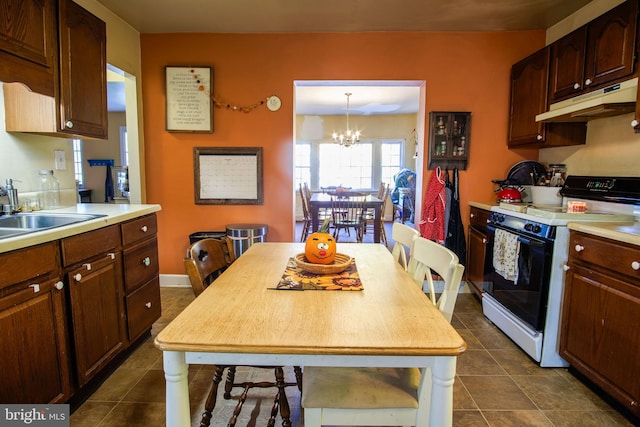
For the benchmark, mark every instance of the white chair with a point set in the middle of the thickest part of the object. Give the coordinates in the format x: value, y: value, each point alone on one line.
x: 382, y: 396
x: 403, y: 236
x: 429, y: 258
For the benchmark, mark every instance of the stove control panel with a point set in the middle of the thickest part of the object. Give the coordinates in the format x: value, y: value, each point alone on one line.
x: 521, y: 225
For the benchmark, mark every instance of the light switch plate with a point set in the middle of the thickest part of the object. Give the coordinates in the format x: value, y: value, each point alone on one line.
x: 60, y: 160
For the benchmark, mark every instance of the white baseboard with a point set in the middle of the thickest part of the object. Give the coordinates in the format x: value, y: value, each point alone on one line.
x: 174, y: 281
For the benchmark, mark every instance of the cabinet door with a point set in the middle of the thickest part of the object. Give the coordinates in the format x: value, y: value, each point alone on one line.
x: 97, y: 313
x: 83, y: 72
x: 528, y: 98
x: 449, y: 139
x: 34, y: 362
x: 612, y: 45
x: 567, y: 65
x: 28, y: 44
x: 599, y: 336
x: 476, y: 258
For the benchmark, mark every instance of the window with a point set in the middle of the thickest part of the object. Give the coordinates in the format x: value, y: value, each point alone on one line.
x: 363, y: 166
x: 303, y: 164
x: 77, y: 162
x: 346, y: 166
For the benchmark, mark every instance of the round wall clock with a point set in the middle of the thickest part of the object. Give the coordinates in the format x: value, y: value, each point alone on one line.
x: 274, y: 103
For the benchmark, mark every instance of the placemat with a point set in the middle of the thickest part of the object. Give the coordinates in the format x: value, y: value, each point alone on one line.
x: 296, y: 279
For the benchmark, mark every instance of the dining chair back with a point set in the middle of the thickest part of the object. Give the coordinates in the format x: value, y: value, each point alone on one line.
x: 206, y: 260
x: 403, y: 235
x: 348, y: 213
x: 429, y: 258
x: 306, y: 214
x: 381, y: 396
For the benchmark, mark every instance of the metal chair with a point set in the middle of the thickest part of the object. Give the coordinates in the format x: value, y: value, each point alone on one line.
x: 382, y: 396
x: 206, y: 260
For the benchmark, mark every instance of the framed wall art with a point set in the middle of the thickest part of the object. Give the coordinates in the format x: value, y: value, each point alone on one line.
x: 189, y: 107
x: 228, y: 175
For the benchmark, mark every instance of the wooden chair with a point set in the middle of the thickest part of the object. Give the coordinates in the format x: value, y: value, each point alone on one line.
x: 348, y: 213
x: 306, y: 214
x: 403, y: 235
x: 381, y: 396
x: 206, y: 260
x: 370, y: 214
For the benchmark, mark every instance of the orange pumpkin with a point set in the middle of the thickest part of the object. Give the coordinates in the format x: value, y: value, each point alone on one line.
x: 320, y: 247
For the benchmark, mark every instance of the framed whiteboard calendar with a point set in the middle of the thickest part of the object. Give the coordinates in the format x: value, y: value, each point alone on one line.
x: 228, y: 175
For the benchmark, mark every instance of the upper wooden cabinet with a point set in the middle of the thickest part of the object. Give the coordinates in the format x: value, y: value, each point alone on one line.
x: 83, y: 72
x: 28, y: 43
x: 529, y: 80
x: 79, y: 107
x: 600, y: 52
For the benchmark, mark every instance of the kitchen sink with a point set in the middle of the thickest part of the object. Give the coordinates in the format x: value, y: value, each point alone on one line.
x: 21, y: 223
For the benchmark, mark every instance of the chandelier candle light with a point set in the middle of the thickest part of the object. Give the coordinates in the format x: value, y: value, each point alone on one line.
x: 349, y: 137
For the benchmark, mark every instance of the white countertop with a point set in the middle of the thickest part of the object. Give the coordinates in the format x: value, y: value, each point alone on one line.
x: 621, y: 232
x: 115, y: 213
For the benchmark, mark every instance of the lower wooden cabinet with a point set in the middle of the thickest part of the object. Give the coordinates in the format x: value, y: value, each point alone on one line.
x: 476, y: 270
x: 65, y: 312
x: 600, y: 312
x: 34, y: 361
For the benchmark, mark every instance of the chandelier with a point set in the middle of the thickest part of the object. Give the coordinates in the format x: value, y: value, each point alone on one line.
x: 348, y: 137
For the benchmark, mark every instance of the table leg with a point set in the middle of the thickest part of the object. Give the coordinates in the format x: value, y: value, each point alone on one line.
x: 442, y: 376
x: 315, y: 223
x: 177, y: 394
x: 377, y: 223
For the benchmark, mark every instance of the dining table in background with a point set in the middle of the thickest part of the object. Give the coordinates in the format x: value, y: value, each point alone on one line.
x: 390, y: 323
x: 323, y: 201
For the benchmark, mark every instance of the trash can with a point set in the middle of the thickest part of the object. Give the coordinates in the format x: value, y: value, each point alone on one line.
x: 194, y: 237
x: 244, y: 235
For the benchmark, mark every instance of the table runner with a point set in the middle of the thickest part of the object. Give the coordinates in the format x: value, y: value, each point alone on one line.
x: 296, y: 279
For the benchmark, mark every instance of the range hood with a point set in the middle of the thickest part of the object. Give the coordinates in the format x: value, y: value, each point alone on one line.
x: 613, y: 100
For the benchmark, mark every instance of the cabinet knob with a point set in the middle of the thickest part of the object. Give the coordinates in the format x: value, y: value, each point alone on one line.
x: 565, y: 267
x: 635, y: 265
x: 576, y: 86
x: 148, y: 305
x: 36, y: 287
x: 144, y: 228
x: 59, y: 285
x: 87, y: 266
x: 587, y: 82
x: 78, y: 277
x: 634, y: 123
x: 111, y: 255
x: 579, y: 248
x: 472, y: 215
x: 146, y: 261
x: 69, y: 124
x: 539, y: 137
x: 484, y: 240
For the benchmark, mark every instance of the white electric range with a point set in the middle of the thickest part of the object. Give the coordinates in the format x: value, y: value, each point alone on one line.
x: 529, y: 246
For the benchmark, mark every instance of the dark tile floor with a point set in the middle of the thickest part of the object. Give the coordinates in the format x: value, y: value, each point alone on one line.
x: 496, y: 384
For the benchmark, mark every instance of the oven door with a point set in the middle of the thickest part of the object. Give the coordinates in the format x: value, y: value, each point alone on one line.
x: 527, y: 297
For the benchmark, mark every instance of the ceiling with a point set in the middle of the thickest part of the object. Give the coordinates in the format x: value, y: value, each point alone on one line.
x: 291, y: 16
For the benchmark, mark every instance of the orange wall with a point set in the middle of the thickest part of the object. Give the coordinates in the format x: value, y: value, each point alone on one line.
x: 463, y: 72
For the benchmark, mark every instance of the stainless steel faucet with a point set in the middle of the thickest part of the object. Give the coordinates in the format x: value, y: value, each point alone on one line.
x: 12, y: 194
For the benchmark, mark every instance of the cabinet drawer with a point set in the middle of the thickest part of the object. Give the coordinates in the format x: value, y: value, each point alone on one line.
x: 606, y: 254
x: 143, y: 308
x: 87, y: 245
x: 139, y: 229
x: 478, y: 218
x: 23, y: 264
x: 140, y: 264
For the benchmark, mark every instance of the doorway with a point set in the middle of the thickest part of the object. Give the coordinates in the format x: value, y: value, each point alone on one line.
x: 383, y: 111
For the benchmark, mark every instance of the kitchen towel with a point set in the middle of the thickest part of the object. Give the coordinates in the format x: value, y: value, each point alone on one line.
x: 506, y: 251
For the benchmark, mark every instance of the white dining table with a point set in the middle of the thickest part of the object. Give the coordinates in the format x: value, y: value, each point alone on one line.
x: 242, y: 320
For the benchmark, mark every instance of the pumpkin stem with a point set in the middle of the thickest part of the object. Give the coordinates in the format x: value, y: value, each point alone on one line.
x: 325, y: 226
